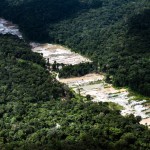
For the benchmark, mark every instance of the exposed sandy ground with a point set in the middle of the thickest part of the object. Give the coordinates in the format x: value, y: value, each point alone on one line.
x: 84, y: 79
x: 58, y: 53
x: 100, y: 91
x: 146, y: 121
x: 7, y: 27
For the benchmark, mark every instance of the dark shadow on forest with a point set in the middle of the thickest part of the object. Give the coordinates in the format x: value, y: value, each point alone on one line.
x: 138, y: 35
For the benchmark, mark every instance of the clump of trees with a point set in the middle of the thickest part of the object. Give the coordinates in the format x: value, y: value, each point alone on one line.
x: 77, y: 70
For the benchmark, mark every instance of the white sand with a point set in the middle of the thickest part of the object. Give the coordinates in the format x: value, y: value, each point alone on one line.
x: 106, y: 93
x: 58, y: 53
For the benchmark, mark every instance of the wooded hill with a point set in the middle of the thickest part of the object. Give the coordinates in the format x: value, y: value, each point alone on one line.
x: 37, y: 112
x: 114, y: 33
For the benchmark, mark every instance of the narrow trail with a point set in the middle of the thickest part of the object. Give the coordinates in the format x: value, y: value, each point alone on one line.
x: 91, y: 84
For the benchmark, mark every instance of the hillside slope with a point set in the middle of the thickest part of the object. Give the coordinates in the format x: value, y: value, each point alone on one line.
x: 114, y: 33
x: 37, y: 112
x: 23, y: 75
x: 117, y: 36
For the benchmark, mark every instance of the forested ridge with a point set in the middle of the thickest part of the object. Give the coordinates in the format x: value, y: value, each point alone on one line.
x: 23, y: 74
x: 114, y: 33
x: 37, y: 112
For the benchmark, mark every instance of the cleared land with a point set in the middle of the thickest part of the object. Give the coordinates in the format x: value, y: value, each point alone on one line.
x: 58, y: 53
x: 94, y: 85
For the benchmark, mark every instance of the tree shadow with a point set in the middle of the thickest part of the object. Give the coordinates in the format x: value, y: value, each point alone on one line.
x: 138, y: 34
x: 34, y: 17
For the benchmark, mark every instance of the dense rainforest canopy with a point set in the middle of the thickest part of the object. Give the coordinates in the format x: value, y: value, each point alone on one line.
x: 114, y: 33
x: 23, y: 75
x: 37, y: 112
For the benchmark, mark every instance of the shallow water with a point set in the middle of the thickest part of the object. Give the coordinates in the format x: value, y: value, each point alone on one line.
x: 7, y: 27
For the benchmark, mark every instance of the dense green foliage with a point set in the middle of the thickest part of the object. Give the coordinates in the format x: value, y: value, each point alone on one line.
x: 117, y: 36
x: 77, y: 70
x: 37, y: 112
x: 33, y: 16
x: 112, y: 32
x: 82, y: 126
x: 23, y: 76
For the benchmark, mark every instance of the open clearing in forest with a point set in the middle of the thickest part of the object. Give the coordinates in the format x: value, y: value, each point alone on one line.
x: 58, y: 53
x: 91, y: 84
x: 94, y: 85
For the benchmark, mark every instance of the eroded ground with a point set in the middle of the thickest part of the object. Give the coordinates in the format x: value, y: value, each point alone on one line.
x: 94, y: 85
x: 58, y: 53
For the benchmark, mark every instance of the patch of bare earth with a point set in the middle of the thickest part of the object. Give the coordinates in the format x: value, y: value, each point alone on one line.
x: 58, y: 53
x: 94, y: 85
x: 146, y: 122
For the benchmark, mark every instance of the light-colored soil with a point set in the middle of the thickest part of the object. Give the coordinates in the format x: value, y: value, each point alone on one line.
x: 58, y: 53
x: 100, y: 91
x: 146, y: 121
x: 84, y: 79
